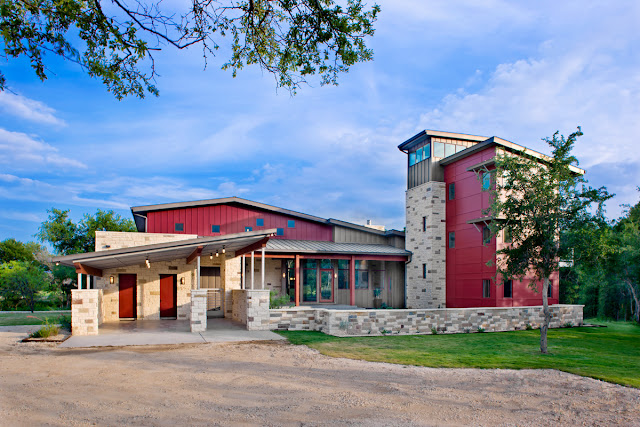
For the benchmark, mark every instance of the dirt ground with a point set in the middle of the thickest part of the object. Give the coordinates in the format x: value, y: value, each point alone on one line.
x: 282, y: 384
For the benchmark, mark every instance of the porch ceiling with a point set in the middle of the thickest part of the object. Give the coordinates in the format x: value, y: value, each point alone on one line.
x: 170, y: 251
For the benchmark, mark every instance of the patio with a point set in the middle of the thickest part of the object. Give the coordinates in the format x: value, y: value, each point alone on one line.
x: 166, y: 332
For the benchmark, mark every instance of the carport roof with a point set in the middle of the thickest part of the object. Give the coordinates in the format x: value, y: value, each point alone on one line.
x: 170, y: 251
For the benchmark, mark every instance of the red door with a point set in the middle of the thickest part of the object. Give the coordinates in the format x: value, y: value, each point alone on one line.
x: 127, y: 296
x: 168, y: 295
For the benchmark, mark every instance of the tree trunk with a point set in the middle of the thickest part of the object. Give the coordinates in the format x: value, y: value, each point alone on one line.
x: 635, y: 299
x: 547, y: 316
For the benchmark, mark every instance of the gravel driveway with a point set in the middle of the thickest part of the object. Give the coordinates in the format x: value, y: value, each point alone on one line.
x: 282, y: 384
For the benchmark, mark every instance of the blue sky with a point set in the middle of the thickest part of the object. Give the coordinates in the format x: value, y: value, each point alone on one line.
x: 518, y: 70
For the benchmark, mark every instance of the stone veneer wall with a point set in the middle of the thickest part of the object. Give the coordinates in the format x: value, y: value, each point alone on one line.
x: 123, y: 239
x: 86, y: 311
x: 428, y: 247
x: 198, y: 310
x: 423, y: 321
x: 251, y: 308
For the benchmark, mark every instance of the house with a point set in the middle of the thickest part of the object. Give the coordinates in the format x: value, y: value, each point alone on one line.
x: 448, y: 178
x: 222, y: 257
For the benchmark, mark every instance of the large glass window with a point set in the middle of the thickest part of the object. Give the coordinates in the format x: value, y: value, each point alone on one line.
x: 418, y: 155
x: 449, y: 150
x: 309, y: 284
x: 343, y: 274
x: 290, y: 278
x: 459, y: 148
x: 486, y: 181
x: 426, y: 152
x: 438, y: 149
x: 362, y: 275
x: 325, y: 263
x: 412, y: 158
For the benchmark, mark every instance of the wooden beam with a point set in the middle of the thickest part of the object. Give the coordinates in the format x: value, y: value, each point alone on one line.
x: 253, y: 247
x: 195, y: 254
x: 85, y: 269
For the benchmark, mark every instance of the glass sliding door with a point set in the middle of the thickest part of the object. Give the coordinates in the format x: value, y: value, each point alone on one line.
x: 326, y: 285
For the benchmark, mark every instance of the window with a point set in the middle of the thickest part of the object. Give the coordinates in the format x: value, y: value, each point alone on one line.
x: 259, y: 222
x: 343, y: 274
x: 215, y: 228
x: 486, y: 288
x: 424, y: 271
x: 550, y: 290
x: 449, y: 150
x: 362, y: 275
x: 412, y: 159
x: 452, y: 240
x: 426, y: 152
x: 424, y: 223
x: 438, y: 149
x: 486, y: 181
x: 247, y: 229
x: 418, y: 155
x: 280, y: 232
x: 179, y: 226
x: 452, y: 191
x: 486, y: 235
x: 506, y: 236
x: 508, y: 289
x: 291, y: 223
x: 459, y: 148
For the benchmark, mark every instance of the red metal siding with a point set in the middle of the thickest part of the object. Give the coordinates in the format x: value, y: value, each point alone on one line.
x: 467, y: 262
x: 233, y: 219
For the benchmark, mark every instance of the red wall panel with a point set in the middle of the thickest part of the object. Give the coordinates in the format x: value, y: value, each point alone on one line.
x: 233, y: 219
x: 467, y: 262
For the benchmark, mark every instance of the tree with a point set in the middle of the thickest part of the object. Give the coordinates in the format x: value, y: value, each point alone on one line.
x: 66, y: 237
x: 14, y: 250
x: 22, y: 280
x: 626, y: 257
x: 533, y: 200
x: 116, y: 40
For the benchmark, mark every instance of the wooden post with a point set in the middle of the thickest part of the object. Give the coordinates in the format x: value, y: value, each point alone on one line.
x: 352, y: 280
x: 297, y: 280
x: 253, y: 268
x: 262, y: 268
x: 244, y: 282
x: 79, y: 280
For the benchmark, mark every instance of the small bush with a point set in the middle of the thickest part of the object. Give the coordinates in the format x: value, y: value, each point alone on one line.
x: 480, y: 329
x: 568, y: 325
x: 528, y: 327
x: 65, y: 322
x: 46, y: 331
x: 434, y: 331
x: 277, y: 301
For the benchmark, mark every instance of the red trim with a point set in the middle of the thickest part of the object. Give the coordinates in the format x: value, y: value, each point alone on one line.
x: 297, y: 280
x: 85, y: 269
x: 195, y: 254
x: 253, y: 247
x: 352, y: 281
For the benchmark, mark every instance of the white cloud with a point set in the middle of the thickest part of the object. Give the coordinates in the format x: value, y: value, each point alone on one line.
x: 23, y: 151
x: 21, y: 216
x: 28, y: 109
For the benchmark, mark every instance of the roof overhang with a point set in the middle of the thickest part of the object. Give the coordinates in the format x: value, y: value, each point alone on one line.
x: 94, y: 262
x: 321, y: 248
x: 416, y: 139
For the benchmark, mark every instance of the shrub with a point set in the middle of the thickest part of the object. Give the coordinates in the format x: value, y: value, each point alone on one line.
x: 434, y: 331
x: 277, y: 301
x: 480, y: 329
x: 65, y: 322
x: 46, y: 331
x: 568, y: 325
x: 528, y: 327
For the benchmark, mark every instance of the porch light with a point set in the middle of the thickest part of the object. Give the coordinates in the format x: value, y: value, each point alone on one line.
x: 216, y: 253
x: 57, y: 263
x: 146, y: 261
x: 182, y: 280
x: 112, y: 280
x: 284, y: 275
x: 223, y: 250
x: 211, y: 255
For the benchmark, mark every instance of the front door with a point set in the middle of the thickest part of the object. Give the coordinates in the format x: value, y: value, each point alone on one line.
x: 326, y: 286
x: 168, y: 295
x: 127, y: 296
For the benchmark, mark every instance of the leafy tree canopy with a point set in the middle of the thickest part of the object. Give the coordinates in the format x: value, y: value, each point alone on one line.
x: 14, y: 250
x: 68, y: 237
x: 115, y: 40
x: 533, y: 201
x: 22, y: 280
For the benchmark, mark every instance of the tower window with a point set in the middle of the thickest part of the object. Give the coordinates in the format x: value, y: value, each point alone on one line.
x: 452, y: 191
x: 179, y: 226
x: 452, y: 240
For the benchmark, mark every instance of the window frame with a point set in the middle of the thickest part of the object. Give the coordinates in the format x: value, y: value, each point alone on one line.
x: 550, y: 289
x: 486, y: 240
x: 452, y: 240
x: 424, y: 223
x: 291, y: 223
x: 216, y: 229
x: 424, y: 271
x: 452, y: 191
x: 259, y: 222
x: 279, y: 231
x: 178, y: 226
x: 504, y: 285
x: 486, y: 288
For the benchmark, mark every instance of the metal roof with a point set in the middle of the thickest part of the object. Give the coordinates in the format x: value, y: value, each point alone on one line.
x: 411, y: 142
x: 170, y: 251
x: 309, y: 246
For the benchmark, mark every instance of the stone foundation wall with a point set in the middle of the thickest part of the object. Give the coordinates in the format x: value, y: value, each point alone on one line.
x: 86, y: 311
x: 423, y: 321
x: 198, y: 310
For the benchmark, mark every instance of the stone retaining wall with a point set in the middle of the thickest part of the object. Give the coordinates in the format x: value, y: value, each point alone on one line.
x: 423, y: 321
x: 86, y: 311
x: 198, y: 310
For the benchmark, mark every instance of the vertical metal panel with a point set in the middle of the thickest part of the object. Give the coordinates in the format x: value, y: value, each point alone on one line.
x: 234, y: 219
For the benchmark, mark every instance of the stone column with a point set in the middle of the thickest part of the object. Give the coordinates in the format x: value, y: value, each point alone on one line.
x: 257, y: 310
x: 86, y: 311
x: 198, y: 310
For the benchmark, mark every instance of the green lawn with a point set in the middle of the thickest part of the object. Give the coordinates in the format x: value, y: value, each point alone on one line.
x: 610, y: 354
x: 37, y: 318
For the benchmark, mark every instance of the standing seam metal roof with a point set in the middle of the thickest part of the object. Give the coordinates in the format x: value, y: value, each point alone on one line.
x: 308, y: 246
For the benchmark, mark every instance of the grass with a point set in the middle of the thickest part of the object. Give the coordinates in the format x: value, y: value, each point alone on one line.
x: 610, y: 354
x: 13, y: 319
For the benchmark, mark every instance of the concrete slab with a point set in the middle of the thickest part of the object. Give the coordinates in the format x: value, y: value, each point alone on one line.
x: 166, y: 332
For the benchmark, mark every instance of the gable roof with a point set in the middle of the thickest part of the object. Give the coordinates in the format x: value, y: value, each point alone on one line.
x: 141, y: 211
